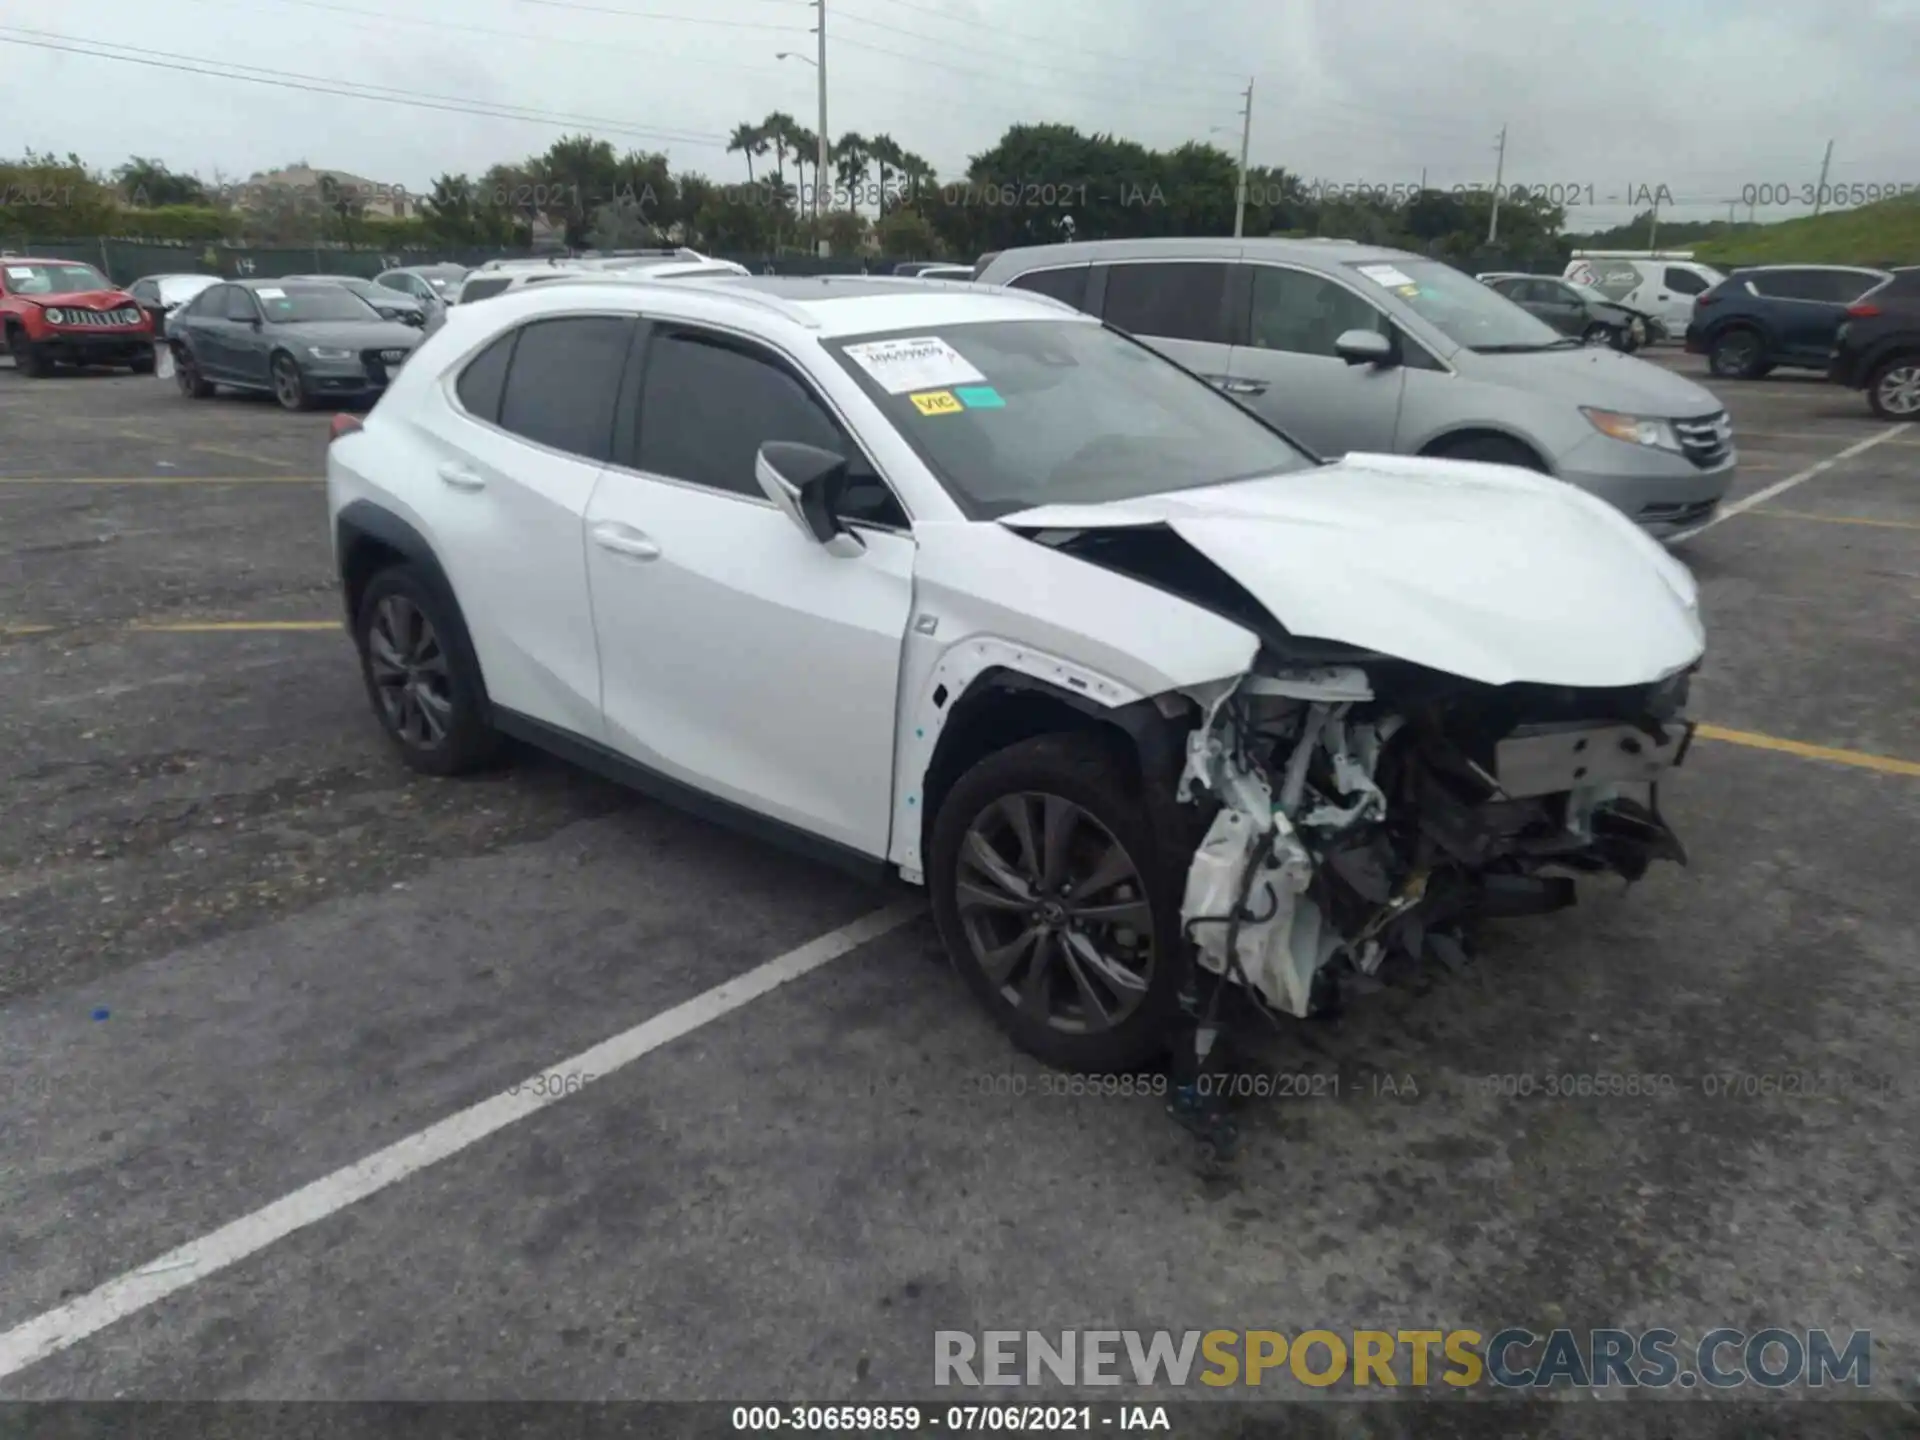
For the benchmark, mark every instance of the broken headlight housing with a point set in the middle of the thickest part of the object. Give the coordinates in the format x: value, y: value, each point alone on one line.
x: 1634, y: 429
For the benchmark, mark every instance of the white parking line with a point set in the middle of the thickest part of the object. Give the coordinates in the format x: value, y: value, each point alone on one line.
x: 1780, y: 487
x: 49, y: 1333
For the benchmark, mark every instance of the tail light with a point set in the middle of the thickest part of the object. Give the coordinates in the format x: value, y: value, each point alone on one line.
x: 342, y: 425
x: 1706, y: 299
x: 1863, y: 312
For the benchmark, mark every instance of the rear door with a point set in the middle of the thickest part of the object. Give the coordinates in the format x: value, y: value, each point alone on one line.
x: 519, y: 436
x: 1803, y: 314
x: 739, y: 657
x: 1062, y: 282
x: 1179, y: 307
x: 1284, y: 366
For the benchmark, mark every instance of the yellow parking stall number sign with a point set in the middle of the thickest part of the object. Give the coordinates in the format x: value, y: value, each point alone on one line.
x: 937, y: 402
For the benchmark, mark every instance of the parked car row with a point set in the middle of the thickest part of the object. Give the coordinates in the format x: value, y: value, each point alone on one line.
x: 1578, y: 310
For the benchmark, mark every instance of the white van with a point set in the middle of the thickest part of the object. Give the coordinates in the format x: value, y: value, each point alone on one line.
x: 1663, y: 284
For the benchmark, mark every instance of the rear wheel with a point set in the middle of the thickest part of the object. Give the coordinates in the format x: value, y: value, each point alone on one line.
x: 1058, y: 903
x: 420, y: 676
x: 1738, y: 354
x: 1894, y: 390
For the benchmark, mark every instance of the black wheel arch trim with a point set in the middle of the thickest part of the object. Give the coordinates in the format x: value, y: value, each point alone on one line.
x: 362, y: 523
x: 1158, y: 741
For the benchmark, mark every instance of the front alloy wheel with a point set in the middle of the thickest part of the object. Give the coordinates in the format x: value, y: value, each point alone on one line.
x: 288, y: 388
x: 409, y: 669
x: 1895, y: 391
x: 1055, y: 913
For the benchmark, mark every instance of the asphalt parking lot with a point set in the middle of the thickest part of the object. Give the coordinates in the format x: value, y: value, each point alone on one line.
x: 242, y: 950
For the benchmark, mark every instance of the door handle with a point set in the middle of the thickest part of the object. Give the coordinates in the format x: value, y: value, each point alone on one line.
x: 625, y: 540
x: 461, y: 478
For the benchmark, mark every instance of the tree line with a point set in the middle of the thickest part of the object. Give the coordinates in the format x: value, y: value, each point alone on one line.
x: 1036, y: 184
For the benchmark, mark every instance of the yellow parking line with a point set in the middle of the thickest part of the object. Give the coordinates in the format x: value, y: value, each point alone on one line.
x: 24, y: 629
x: 249, y: 456
x: 212, y: 627
x: 1838, y: 519
x: 1885, y: 764
x: 162, y: 480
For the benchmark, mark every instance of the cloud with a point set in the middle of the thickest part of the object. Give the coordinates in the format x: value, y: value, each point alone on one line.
x: 1600, y: 99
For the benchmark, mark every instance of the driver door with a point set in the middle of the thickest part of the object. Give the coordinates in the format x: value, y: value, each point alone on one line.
x: 1284, y: 366
x: 243, y: 339
x: 737, y: 656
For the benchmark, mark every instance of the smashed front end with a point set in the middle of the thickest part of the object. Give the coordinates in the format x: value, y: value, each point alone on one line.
x: 1367, y: 809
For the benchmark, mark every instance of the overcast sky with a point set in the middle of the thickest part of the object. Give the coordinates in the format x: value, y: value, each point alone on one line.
x: 1704, y: 97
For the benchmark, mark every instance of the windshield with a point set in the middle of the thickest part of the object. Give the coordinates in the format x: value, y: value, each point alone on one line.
x: 1459, y: 306
x: 1587, y: 292
x: 296, y: 304
x: 178, y: 289
x: 1019, y: 413
x: 63, y: 278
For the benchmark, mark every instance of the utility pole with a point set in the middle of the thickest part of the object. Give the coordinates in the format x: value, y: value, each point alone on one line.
x: 820, y: 172
x: 1499, y: 174
x: 1246, y: 140
x: 1653, y: 225
x: 1820, y: 193
x: 1730, y: 219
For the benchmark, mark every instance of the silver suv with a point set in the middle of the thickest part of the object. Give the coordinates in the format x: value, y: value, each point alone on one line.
x: 1350, y: 348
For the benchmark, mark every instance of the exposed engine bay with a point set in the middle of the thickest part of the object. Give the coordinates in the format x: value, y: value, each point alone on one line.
x: 1370, y: 811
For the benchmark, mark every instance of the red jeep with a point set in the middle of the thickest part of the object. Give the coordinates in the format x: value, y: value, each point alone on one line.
x: 61, y: 312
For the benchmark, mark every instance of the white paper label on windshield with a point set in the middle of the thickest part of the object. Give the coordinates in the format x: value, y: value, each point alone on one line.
x: 1385, y: 275
x: 271, y: 294
x: 925, y: 362
x: 19, y: 272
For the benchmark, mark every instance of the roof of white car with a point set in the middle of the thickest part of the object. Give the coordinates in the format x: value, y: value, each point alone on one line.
x: 827, y: 305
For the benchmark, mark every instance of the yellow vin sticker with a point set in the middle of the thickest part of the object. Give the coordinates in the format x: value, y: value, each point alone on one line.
x: 937, y: 402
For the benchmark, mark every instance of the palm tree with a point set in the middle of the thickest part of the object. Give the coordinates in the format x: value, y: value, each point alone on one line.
x: 749, y: 140
x: 850, y: 165
x: 778, y: 129
x: 806, y: 151
x: 885, y: 151
x: 919, y: 174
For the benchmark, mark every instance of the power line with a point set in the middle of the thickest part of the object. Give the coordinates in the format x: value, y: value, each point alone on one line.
x: 1030, y: 38
x: 677, y: 19
x: 1002, y: 79
x: 350, y: 89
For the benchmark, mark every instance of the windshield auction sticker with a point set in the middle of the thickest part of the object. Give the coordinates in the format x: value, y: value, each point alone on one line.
x: 937, y: 402
x: 925, y: 362
x: 1386, y: 275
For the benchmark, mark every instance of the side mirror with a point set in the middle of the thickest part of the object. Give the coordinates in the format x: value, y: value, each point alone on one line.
x: 1364, y: 347
x: 805, y: 482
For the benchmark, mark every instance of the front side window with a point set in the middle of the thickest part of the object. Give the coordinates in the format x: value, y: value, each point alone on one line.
x: 1305, y: 314
x: 240, y: 306
x: 1168, y: 300
x: 564, y: 382
x: 484, y: 288
x: 709, y: 403
x: 1013, y: 414
x: 1685, y: 282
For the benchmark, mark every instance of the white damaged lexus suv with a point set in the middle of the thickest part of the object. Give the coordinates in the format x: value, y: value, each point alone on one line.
x: 955, y: 583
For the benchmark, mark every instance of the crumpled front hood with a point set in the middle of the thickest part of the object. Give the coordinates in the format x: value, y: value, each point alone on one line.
x: 84, y: 300
x: 1485, y: 571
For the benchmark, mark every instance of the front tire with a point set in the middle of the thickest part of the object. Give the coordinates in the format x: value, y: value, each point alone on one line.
x: 1597, y: 335
x: 1894, y: 390
x: 186, y: 374
x: 34, y: 358
x: 420, y: 674
x: 142, y: 364
x: 1059, y: 904
x: 289, y: 387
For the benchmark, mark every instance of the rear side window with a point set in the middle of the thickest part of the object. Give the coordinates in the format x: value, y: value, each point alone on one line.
x: 484, y: 289
x: 563, y: 382
x: 485, y: 379
x: 1903, y: 286
x: 1847, y: 286
x: 1789, y: 284
x: 1168, y: 300
x: 1068, y: 283
x: 1685, y: 282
